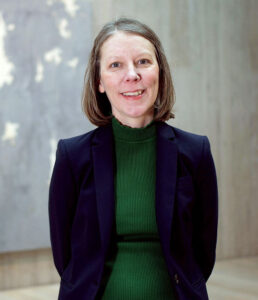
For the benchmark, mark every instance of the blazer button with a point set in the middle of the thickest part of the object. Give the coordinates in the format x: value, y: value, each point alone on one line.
x: 176, y: 278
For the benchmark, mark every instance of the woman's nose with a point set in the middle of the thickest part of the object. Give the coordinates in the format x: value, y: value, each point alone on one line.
x: 132, y: 74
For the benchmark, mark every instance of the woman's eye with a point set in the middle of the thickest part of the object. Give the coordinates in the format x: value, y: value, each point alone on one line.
x: 115, y: 65
x: 143, y: 61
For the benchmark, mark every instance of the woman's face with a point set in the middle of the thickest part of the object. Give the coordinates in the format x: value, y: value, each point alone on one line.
x: 129, y: 75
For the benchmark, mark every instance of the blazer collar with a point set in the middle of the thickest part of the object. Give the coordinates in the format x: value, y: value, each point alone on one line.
x: 166, y: 166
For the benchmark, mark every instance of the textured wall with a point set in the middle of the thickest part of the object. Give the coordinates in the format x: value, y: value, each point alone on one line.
x: 44, y: 47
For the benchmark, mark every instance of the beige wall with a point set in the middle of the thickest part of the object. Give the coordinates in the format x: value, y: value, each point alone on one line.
x: 212, y: 47
x: 27, y: 268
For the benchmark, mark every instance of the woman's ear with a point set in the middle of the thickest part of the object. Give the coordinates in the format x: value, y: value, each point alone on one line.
x: 101, y: 87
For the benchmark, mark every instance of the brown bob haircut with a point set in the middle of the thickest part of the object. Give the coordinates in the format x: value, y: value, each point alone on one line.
x: 96, y: 105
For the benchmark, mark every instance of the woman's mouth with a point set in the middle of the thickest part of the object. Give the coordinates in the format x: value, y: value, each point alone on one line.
x: 133, y: 94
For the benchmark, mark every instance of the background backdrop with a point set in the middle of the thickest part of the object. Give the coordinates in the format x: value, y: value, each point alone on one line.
x: 212, y: 48
x: 44, y: 49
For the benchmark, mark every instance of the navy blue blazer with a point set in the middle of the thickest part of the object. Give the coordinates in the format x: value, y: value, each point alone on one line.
x: 82, y: 210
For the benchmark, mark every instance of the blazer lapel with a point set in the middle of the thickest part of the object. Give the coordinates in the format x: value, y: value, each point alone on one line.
x: 103, y: 165
x: 166, y: 173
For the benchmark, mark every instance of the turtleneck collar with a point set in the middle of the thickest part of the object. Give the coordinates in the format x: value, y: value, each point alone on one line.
x: 127, y: 133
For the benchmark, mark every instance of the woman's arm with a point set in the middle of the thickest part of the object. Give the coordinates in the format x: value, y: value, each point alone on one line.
x: 206, y: 212
x: 62, y: 200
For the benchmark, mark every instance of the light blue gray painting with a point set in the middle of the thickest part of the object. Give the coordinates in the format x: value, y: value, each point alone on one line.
x: 44, y: 47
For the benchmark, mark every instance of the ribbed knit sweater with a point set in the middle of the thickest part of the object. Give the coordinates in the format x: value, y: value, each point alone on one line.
x: 137, y: 269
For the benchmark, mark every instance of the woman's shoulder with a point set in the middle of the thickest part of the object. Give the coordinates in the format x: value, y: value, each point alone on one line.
x: 193, y: 149
x: 77, y: 149
x: 77, y: 146
x: 188, y: 137
x: 81, y: 143
x: 183, y: 136
x: 79, y: 140
x: 189, y: 143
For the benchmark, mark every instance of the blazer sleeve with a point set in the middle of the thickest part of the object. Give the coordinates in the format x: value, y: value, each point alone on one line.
x: 61, y: 205
x: 206, y: 212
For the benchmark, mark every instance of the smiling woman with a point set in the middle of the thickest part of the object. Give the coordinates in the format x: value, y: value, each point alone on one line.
x: 129, y: 75
x: 141, y: 41
x: 133, y: 203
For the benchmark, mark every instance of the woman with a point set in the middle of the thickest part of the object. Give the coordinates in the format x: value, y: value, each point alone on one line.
x: 133, y: 203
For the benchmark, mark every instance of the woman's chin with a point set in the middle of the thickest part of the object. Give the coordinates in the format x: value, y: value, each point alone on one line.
x: 140, y: 112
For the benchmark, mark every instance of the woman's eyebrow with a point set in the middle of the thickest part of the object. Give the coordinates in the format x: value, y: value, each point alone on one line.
x: 115, y: 57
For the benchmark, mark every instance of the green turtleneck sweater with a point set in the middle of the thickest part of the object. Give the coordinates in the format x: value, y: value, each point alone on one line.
x: 136, y: 269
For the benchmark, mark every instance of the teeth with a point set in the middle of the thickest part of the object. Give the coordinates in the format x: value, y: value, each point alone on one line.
x: 133, y: 93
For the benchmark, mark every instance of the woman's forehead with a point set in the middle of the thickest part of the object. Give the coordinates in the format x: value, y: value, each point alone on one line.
x: 121, y: 41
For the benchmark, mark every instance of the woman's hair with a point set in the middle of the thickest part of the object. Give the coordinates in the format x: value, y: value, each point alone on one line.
x: 96, y: 105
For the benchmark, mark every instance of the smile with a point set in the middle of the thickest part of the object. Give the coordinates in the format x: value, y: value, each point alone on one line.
x: 136, y: 93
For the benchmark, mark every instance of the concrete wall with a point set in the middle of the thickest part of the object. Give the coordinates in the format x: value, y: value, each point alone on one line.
x: 212, y: 47
x: 44, y: 47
